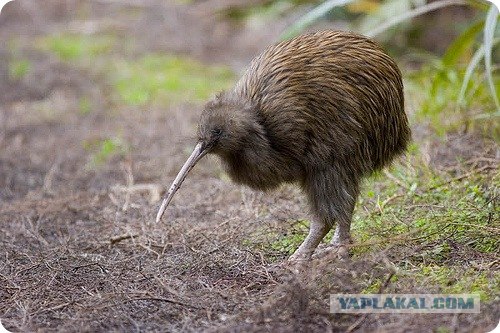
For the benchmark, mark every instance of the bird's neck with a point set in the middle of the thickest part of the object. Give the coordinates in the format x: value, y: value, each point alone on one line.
x: 258, y: 165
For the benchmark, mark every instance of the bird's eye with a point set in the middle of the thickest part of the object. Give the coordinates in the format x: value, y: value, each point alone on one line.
x: 216, y: 132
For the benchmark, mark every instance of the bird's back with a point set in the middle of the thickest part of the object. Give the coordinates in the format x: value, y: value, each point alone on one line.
x: 329, y: 96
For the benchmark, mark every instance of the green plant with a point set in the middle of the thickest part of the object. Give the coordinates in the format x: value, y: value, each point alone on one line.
x: 485, y: 51
x: 422, y: 203
x: 289, y: 242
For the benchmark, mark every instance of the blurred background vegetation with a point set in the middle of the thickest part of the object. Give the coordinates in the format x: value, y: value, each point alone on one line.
x: 448, y: 50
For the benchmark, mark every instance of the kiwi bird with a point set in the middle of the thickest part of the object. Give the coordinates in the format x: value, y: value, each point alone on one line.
x: 322, y: 110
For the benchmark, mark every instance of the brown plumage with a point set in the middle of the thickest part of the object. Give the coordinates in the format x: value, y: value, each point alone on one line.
x: 321, y: 110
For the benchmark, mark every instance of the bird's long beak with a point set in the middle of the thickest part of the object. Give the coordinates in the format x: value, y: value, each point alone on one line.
x: 199, y: 151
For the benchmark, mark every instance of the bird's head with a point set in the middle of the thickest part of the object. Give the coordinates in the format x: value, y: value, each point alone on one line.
x: 226, y: 125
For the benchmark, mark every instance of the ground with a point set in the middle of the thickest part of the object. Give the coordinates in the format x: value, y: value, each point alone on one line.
x: 98, y: 112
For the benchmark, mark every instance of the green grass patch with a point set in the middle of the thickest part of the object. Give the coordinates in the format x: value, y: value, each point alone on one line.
x: 446, y: 280
x: 287, y: 243
x: 416, y: 207
x: 168, y: 79
x: 84, y: 105
x: 153, y: 78
x: 443, y: 226
x: 279, y: 244
x: 18, y: 68
x: 459, y: 280
x: 416, y: 202
x: 101, y: 151
x: 72, y: 47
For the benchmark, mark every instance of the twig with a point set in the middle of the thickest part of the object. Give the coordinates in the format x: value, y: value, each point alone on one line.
x: 130, y: 182
x: 117, y: 239
x: 27, y: 268
x: 53, y: 308
x: 386, y: 201
x: 148, y: 248
x: 185, y: 243
x: 91, y: 264
x: 221, y: 245
x: 465, y: 175
x: 425, y: 206
x: 492, y: 229
x: 49, y: 177
x: 161, y: 299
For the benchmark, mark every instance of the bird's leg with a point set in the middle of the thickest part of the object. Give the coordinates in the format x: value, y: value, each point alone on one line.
x: 341, y: 238
x: 342, y: 234
x: 332, y: 196
x: 317, y: 232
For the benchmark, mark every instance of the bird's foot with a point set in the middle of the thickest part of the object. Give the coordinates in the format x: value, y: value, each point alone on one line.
x: 339, y: 250
x: 300, y: 256
x: 299, y: 261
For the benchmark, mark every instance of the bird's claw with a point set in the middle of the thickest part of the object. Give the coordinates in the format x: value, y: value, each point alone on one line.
x: 340, y: 250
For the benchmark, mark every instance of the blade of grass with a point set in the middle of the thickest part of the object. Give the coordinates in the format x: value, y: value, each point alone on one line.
x: 462, y: 43
x: 413, y: 13
x: 489, y: 32
x: 312, y: 16
x: 476, y: 58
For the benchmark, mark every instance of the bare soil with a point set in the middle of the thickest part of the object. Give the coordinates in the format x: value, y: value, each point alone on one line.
x: 80, y: 251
